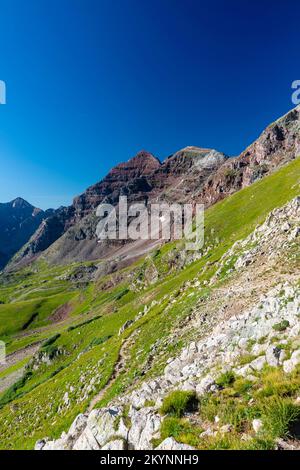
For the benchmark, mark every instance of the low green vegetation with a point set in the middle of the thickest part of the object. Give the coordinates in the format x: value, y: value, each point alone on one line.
x: 87, y: 331
x: 279, y: 415
x: 182, y: 431
x: 50, y: 340
x: 225, y: 379
x: 178, y: 403
x: 271, y: 399
x: 282, y: 326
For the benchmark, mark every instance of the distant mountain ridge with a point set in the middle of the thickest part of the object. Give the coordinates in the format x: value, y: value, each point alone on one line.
x: 18, y: 221
x: 70, y: 232
x: 192, y: 174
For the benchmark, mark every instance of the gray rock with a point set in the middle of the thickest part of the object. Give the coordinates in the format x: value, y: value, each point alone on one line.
x: 126, y: 325
x: 77, y: 426
x: 273, y: 356
x: 40, y: 444
x: 257, y: 425
x: 205, y: 385
x: 144, y: 424
x: 226, y: 428
x: 117, y: 444
x: 258, y: 363
x: 291, y: 364
x: 101, y: 426
x: 171, y: 444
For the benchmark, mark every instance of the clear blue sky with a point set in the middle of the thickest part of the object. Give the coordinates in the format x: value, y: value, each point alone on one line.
x: 91, y: 82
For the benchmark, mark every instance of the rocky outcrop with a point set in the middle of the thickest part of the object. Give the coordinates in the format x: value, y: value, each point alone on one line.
x: 280, y: 230
x: 277, y: 145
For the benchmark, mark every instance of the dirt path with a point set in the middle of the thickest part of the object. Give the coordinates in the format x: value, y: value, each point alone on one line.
x: 12, y: 359
x: 19, y: 355
x: 10, y: 379
x: 119, y: 367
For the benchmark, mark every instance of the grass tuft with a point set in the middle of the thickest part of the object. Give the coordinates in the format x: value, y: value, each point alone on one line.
x: 178, y: 403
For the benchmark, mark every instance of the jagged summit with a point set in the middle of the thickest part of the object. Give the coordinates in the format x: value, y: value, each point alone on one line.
x: 191, y: 149
x: 19, y: 202
x: 143, y: 161
x: 145, y: 155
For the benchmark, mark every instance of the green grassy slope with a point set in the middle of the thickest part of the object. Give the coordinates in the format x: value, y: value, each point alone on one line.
x: 35, y: 407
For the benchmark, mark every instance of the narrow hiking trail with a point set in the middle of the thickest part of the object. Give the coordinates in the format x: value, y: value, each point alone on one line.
x: 19, y: 355
x: 119, y: 367
x: 12, y: 359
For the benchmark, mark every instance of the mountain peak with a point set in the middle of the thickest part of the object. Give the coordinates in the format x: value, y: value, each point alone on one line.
x: 144, y: 162
x: 145, y: 156
x: 194, y: 149
x: 19, y: 202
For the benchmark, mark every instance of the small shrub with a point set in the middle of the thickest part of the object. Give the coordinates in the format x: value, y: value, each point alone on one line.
x: 121, y: 294
x: 99, y: 341
x: 226, y: 379
x: 84, y: 323
x: 282, y: 326
x: 51, y: 351
x: 279, y: 415
x: 126, y: 417
x: 57, y: 371
x: 258, y: 444
x: 181, y: 430
x: 179, y: 402
x: 276, y: 383
x: 247, y: 358
x: 217, y: 443
x: 171, y: 427
x: 242, y: 386
x: 262, y: 340
x: 209, y: 406
x: 50, y: 340
x: 149, y: 403
x: 228, y: 409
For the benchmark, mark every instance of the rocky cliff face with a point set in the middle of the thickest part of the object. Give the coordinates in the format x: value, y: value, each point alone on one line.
x: 18, y: 221
x: 190, y: 175
x: 125, y: 179
x: 277, y: 145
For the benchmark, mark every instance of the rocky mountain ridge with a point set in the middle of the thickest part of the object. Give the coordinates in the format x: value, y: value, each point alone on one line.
x: 143, y: 178
x: 190, y: 175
